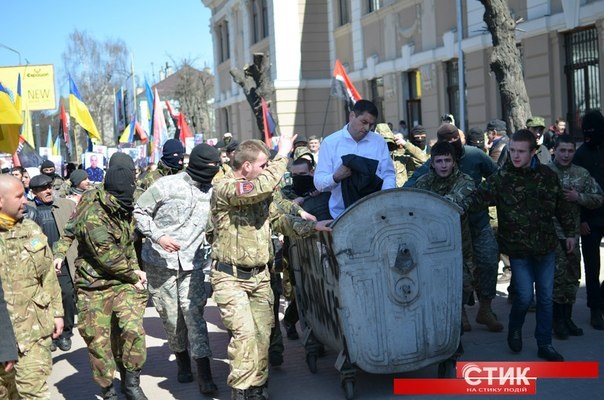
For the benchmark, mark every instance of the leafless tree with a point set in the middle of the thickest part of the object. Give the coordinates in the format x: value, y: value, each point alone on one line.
x: 98, y: 68
x: 194, y: 92
x: 256, y: 82
x: 505, y: 63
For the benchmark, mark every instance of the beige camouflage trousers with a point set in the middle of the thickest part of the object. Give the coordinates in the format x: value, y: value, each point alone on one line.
x: 179, y: 298
x: 27, y: 380
x: 246, y: 309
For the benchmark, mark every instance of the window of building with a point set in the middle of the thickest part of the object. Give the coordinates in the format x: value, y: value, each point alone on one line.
x: 452, y: 69
x: 344, y: 8
x: 377, y: 97
x: 414, y: 99
x: 222, y: 33
x: 259, y: 20
x: 373, y: 5
x: 582, y: 75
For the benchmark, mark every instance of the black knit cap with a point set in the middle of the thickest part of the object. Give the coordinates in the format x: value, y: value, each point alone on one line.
x: 47, y: 164
x: 120, y: 159
x: 77, y: 177
x: 198, y: 167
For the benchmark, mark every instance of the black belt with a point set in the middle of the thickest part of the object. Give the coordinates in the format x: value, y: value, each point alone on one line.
x: 237, y: 272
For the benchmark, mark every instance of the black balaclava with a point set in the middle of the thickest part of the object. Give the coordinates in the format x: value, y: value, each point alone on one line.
x: 593, y: 128
x: 48, y: 164
x: 173, y: 154
x: 421, y: 143
x: 119, y: 181
x: 198, y: 168
x: 121, y: 160
x: 303, y: 184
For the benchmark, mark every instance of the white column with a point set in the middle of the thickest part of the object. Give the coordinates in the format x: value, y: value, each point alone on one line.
x: 285, y: 42
x: 356, y: 12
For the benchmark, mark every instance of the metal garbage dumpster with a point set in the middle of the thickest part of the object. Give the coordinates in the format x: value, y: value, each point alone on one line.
x: 384, y: 288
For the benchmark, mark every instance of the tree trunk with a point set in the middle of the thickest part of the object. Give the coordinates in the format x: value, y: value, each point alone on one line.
x: 506, y: 64
x: 256, y: 82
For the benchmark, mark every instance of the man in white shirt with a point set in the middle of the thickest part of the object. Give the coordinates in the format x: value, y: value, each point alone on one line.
x: 358, y: 138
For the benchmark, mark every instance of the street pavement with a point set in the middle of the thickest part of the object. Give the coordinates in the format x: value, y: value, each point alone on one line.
x: 71, y: 377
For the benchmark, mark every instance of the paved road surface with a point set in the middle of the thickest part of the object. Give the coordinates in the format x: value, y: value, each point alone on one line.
x: 71, y: 377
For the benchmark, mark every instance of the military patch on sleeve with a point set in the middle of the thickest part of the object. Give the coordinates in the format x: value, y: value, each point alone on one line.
x: 244, y: 187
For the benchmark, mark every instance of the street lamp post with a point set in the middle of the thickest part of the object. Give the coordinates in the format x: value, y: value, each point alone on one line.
x: 11, y: 49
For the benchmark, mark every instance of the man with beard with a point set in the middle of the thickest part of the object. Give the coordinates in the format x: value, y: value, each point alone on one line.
x: 173, y: 214
x: 590, y: 156
x: 32, y: 294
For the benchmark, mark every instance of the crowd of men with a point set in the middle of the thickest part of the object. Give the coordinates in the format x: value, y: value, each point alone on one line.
x: 72, y: 248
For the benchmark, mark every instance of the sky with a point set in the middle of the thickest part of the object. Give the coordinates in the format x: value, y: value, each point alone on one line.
x: 154, y: 31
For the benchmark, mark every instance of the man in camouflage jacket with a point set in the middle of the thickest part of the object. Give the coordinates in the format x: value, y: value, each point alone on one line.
x: 32, y: 294
x: 109, y: 281
x: 580, y: 190
x: 445, y: 179
x: 528, y: 195
x: 242, y: 215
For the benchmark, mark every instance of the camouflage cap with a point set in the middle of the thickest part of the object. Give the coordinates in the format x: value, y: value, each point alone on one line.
x: 535, y: 122
x: 384, y: 131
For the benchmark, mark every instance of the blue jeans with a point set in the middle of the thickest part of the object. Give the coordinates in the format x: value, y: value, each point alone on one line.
x: 537, y: 271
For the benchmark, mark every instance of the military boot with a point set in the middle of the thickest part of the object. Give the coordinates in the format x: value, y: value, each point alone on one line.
x: 560, y: 327
x: 486, y: 316
x: 239, y: 394
x: 596, y: 319
x: 465, y: 322
x: 204, y: 376
x: 133, y: 389
x: 183, y: 362
x: 108, y: 393
x: 258, y: 393
x: 573, y: 329
x: 122, y: 370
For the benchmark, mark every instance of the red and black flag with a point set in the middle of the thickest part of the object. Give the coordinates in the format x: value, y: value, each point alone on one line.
x: 64, y: 127
x: 342, y: 87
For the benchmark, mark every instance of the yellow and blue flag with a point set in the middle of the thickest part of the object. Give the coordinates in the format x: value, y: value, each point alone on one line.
x: 10, y: 123
x: 80, y: 113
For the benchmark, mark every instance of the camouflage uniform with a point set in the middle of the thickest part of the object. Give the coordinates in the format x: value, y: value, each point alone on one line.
x: 242, y: 214
x: 105, y: 281
x: 455, y: 188
x: 33, y: 299
x: 568, y: 266
x: 175, y: 206
x: 526, y: 200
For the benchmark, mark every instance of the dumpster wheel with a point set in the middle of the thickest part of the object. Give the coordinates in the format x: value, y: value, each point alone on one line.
x: 348, y: 386
x: 446, y: 369
x: 311, y: 361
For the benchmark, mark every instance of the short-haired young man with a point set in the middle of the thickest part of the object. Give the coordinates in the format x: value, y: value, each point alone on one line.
x: 445, y: 179
x: 528, y: 195
x: 243, y: 214
x: 580, y: 190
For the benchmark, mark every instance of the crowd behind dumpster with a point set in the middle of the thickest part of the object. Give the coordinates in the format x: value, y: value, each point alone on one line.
x: 87, y: 250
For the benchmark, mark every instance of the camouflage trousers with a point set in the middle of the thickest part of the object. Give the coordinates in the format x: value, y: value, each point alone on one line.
x: 567, y: 274
x: 246, y: 309
x: 180, y: 298
x: 486, y: 261
x: 126, y: 305
x: 27, y: 379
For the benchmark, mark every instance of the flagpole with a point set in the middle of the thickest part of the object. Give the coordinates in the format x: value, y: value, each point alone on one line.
x: 75, y: 144
x: 325, y: 116
x: 133, y: 83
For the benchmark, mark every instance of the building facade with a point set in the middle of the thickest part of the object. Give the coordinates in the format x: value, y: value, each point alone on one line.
x: 403, y: 55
